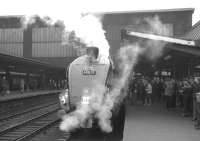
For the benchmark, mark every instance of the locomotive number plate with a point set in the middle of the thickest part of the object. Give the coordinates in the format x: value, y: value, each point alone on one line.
x: 88, y: 71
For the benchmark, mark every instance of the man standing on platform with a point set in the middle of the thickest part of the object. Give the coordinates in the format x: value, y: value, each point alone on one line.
x: 169, y: 91
x: 187, y: 95
x: 22, y: 84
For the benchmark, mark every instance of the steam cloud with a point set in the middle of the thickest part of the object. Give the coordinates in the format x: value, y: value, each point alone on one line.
x: 90, y: 30
x: 87, y: 28
x: 152, y: 25
x: 101, y: 106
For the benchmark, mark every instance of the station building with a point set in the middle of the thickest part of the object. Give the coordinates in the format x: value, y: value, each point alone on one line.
x: 41, y: 43
x: 175, y: 60
x: 46, y: 43
x: 178, y: 21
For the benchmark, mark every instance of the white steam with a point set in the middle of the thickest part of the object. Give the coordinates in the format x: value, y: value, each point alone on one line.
x: 97, y: 108
x: 89, y: 29
x: 103, y: 102
x: 155, y: 48
x: 152, y: 25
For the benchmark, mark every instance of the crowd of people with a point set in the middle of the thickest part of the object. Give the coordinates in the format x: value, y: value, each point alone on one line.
x: 21, y: 85
x: 174, y: 93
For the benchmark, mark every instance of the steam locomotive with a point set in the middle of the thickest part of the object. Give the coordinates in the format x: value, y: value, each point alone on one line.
x: 82, y: 74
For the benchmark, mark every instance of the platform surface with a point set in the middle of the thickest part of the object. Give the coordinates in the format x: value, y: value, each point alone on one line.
x: 155, y: 123
x: 18, y: 95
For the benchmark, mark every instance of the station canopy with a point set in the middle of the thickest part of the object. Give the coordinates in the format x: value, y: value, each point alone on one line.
x: 178, y: 51
x: 21, y: 64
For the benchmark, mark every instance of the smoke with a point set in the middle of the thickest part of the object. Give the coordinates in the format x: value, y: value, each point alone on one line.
x: 87, y: 29
x: 127, y: 57
x: 85, y: 112
x: 155, y: 48
x: 151, y: 25
x: 101, y: 102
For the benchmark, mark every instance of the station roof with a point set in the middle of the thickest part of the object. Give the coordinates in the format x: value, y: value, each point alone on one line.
x: 149, y: 11
x: 25, y: 64
x: 184, y: 44
x: 194, y: 33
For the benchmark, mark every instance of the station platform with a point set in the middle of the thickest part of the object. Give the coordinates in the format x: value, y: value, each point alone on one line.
x: 18, y: 95
x: 155, y: 123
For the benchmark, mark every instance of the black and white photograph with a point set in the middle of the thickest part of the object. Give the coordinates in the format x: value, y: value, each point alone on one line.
x: 107, y: 70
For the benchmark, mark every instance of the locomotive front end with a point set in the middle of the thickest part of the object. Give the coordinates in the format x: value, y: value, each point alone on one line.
x: 64, y: 101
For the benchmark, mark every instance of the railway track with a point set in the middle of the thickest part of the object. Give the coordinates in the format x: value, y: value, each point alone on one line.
x: 9, y: 114
x: 27, y: 129
x: 52, y: 134
x: 7, y: 117
x: 20, y: 119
